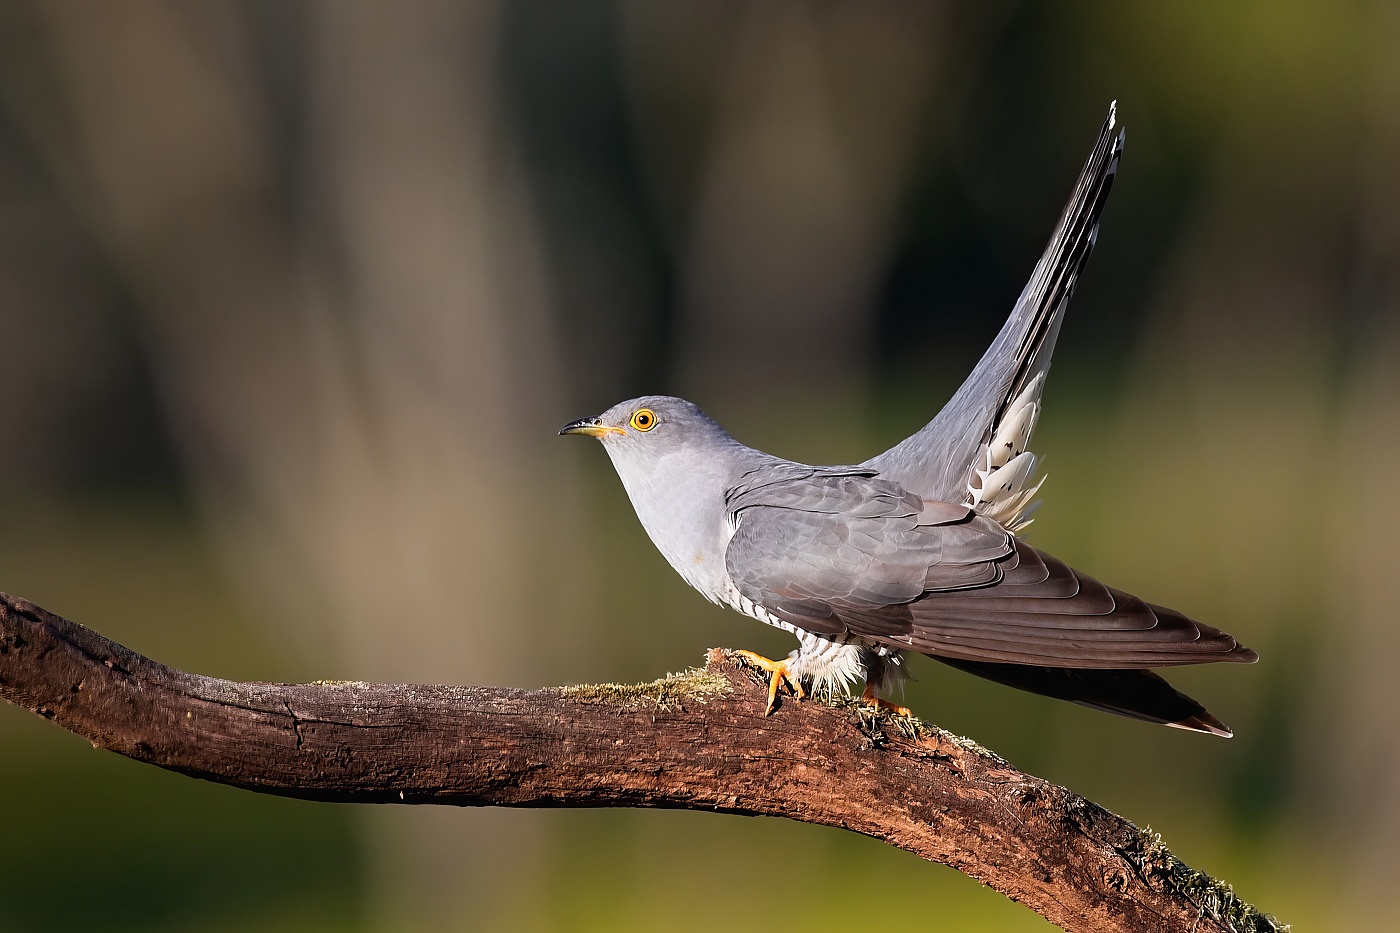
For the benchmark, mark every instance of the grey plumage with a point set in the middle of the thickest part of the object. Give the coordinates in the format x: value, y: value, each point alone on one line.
x: 916, y: 549
x: 935, y: 461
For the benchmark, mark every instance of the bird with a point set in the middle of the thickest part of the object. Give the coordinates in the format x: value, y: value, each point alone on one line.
x: 918, y: 549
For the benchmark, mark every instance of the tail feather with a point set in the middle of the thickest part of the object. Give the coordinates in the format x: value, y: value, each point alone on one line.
x: 938, y: 461
x: 1137, y: 694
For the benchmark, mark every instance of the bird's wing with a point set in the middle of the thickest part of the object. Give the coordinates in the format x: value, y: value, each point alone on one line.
x: 810, y: 544
x: 1042, y: 612
x: 974, y: 449
x: 852, y: 553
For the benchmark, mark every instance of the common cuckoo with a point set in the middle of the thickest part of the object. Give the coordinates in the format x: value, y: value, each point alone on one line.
x: 916, y: 549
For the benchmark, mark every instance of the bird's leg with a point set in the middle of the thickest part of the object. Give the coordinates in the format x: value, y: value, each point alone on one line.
x: 869, y: 698
x: 780, y: 671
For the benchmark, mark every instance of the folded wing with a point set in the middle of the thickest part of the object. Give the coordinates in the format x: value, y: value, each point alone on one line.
x: 1042, y: 612
x: 854, y: 553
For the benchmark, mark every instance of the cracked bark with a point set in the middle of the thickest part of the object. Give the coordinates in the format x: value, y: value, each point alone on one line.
x: 695, y: 741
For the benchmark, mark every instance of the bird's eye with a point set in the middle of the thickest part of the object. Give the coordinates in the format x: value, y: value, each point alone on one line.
x: 643, y: 419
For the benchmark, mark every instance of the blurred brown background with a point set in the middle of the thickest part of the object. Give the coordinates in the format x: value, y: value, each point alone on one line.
x: 294, y: 296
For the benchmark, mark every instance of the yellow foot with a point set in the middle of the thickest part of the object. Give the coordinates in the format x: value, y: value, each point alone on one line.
x: 780, y: 672
x: 870, y: 699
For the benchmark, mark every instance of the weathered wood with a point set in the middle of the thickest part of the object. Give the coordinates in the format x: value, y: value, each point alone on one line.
x: 696, y: 740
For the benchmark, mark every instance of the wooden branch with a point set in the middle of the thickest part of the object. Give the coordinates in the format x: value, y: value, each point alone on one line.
x: 696, y: 741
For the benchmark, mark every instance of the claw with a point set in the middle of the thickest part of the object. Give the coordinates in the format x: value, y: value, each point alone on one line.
x: 780, y: 671
x: 869, y: 698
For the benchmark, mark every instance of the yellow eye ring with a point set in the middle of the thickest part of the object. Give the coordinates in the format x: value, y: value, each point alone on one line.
x: 643, y: 419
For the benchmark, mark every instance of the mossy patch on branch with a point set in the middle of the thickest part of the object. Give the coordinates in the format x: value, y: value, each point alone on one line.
x: 1212, y: 895
x: 669, y: 692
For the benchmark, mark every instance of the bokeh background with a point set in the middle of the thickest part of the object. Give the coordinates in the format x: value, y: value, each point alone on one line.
x: 293, y: 297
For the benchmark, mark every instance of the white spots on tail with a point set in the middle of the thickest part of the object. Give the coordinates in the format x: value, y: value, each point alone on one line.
x: 1003, y: 480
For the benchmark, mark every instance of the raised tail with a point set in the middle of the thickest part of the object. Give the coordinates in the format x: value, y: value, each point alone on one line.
x: 995, y: 409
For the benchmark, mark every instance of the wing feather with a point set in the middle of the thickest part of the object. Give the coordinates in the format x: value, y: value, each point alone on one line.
x: 841, y: 552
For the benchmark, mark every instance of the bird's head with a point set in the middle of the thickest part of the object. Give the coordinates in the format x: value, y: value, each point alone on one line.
x: 675, y: 464
x: 649, y: 428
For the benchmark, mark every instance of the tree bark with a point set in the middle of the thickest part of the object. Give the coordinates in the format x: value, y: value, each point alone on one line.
x: 697, y: 740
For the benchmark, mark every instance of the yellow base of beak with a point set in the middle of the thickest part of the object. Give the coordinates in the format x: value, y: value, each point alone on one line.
x: 590, y: 427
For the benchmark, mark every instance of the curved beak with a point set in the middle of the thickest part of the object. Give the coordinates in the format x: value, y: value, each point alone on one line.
x: 593, y: 427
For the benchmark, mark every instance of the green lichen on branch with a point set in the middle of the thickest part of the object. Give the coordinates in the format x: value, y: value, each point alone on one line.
x: 669, y: 692
x: 1215, y: 898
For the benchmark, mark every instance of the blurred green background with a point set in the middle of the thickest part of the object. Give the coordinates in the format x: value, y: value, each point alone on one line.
x: 294, y: 296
